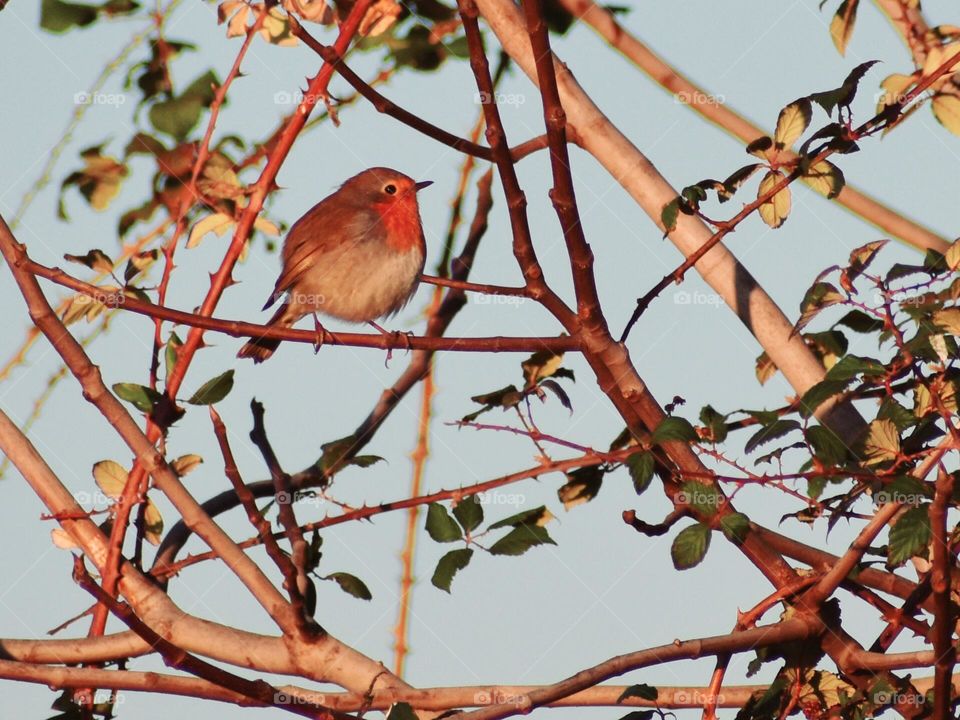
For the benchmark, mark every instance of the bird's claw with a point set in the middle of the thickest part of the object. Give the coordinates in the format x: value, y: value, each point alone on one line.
x: 320, y: 333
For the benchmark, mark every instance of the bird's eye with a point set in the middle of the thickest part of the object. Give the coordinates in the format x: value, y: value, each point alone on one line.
x: 390, y: 189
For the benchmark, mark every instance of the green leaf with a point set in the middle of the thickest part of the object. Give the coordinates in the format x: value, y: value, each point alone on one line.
x: 440, y: 526
x: 179, y: 115
x: 174, y: 343
x: 351, y: 584
x: 715, y: 423
x: 468, y: 512
x: 641, y: 465
x: 668, y: 215
x: 521, y: 539
x: 642, y: 691
x: 852, y: 365
x: 735, y: 526
x: 909, y: 536
x: 449, y: 565
x: 214, y: 390
x: 821, y: 295
x: 842, y: 96
x: 581, y: 487
x: 820, y: 393
x: 860, y: 322
x: 141, y: 397
x: 58, y: 16
x: 401, y: 711
x: 537, y: 516
x: 95, y: 260
x: 690, y: 546
x: 674, y: 428
x: 775, y: 430
x: 827, y: 446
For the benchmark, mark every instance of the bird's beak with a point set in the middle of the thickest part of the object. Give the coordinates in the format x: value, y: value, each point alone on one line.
x: 421, y: 185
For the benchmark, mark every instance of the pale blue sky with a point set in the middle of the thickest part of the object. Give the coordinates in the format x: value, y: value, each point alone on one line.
x: 603, y: 590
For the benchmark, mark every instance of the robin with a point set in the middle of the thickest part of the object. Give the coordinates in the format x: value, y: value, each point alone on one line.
x: 356, y: 255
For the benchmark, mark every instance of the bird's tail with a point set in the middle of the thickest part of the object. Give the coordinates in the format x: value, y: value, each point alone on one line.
x: 262, y: 348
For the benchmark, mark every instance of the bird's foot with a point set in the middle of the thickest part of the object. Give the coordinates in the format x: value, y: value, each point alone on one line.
x: 320, y: 332
x: 396, y: 335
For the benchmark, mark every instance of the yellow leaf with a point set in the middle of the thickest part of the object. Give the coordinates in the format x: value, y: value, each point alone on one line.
x: 953, y: 255
x: 948, y: 319
x: 111, y: 477
x: 266, y: 227
x: 883, y: 442
x: 378, y: 19
x: 791, y: 123
x: 276, y: 29
x: 152, y: 523
x: 895, y: 87
x: 921, y: 401
x: 841, y: 26
x: 825, y: 178
x: 217, y: 223
x: 775, y: 210
x: 946, y: 108
x: 765, y: 368
x: 185, y: 463
x: 939, y: 345
x: 62, y: 540
x: 317, y: 11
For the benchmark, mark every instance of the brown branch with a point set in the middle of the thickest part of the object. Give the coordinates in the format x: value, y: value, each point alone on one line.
x: 785, y: 631
x: 562, y: 195
x: 257, y: 690
x: 944, y: 617
x: 700, y: 101
x: 296, y: 583
x: 254, y: 516
x: 885, y: 119
x: 395, y: 341
x: 523, y: 248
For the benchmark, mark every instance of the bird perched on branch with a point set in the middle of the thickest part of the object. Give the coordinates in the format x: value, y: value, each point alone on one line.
x: 356, y: 255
